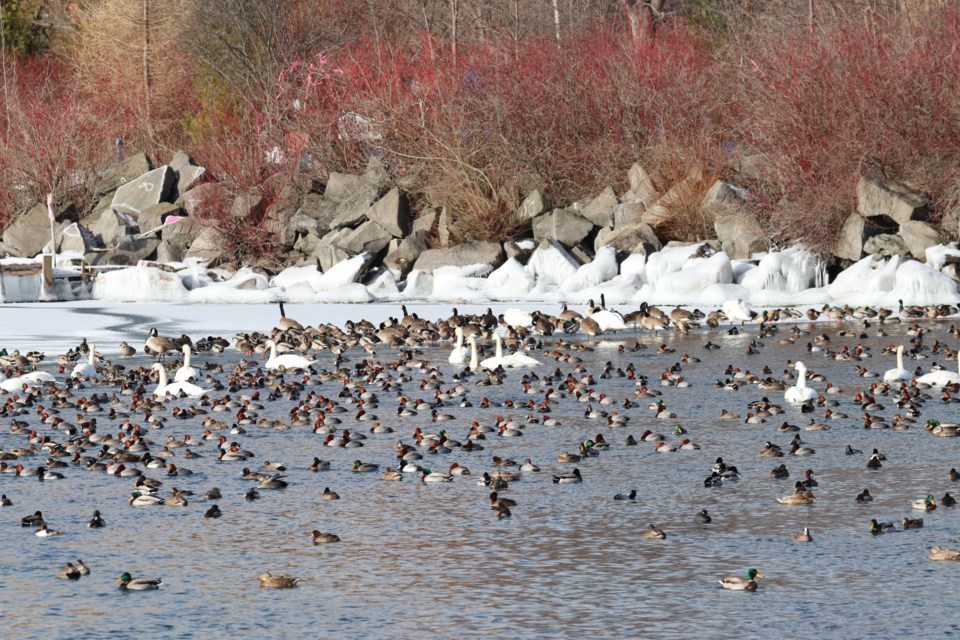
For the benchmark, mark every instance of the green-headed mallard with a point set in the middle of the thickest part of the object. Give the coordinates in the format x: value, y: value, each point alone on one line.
x: 270, y: 581
x: 735, y: 583
x: 128, y: 583
x: 924, y: 504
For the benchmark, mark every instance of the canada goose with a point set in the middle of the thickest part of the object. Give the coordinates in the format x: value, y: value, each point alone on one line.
x: 159, y: 345
x: 288, y: 324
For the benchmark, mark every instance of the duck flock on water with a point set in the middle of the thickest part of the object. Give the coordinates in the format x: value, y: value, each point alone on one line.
x: 82, y: 412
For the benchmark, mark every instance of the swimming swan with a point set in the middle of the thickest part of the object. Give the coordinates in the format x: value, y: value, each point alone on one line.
x: 186, y: 373
x: 287, y: 360
x: 173, y: 389
x: 800, y: 393
x: 898, y: 374
x: 86, y: 369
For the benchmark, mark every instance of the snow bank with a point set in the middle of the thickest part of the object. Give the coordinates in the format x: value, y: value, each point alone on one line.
x: 139, y: 283
x: 603, y: 267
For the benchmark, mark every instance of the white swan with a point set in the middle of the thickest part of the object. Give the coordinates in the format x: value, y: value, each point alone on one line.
x: 13, y: 384
x: 459, y: 353
x: 511, y: 361
x: 898, y: 374
x: 800, y: 393
x: 174, y: 388
x: 39, y: 376
x: 474, y: 358
x: 736, y: 311
x: 941, y: 378
x: 287, y: 360
x: 517, y: 318
x: 86, y: 369
x: 186, y: 373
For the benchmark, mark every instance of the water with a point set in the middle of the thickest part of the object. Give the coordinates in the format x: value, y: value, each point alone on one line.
x: 432, y: 561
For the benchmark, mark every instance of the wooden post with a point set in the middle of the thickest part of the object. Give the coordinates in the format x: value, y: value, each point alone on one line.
x: 47, y: 269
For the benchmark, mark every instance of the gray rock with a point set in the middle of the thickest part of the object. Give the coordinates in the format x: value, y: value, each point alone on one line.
x: 600, y: 209
x: 641, y: 187
x: 149, y: 189
x: 856, y: 230
x: 739, y: 234
x: 198, y: 197
x: 444, y: 224
x: 182, y: 233
x: 565, y: 226
x: 142, y: 248
x: 886, y: 245
x: 120, y: 174
x: 325, y: 257
x: 307, y: 243
x: 316, y: 207
x: 29, y: 233
x: 246, y: 205
x: 155, y: 215
x: 392, y: 213
x: 518, y: 253
x: 582, y: 254
x: 168, y: 252
x: 883, y: 198
x: 636, y: 238
x: 424, y: 222
x: 75, y: 238
x: 206, y: 246
x: 111, y: 226
x: 918, y: 236
x: 300, y: 223
x: 369, y: 237
x: 627, y: 213
x: 461, y: 255
x: 129, y: 252
x: 188, y: 174
x: 531, y: 207
x: 405, y: 255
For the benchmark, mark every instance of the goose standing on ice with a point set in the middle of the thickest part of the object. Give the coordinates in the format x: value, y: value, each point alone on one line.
x: 159, y: 345
x: 288, y: 324
x: 186, y: 373
x: 800, y: 393
x: 86, y: 369
x: 898, y: 374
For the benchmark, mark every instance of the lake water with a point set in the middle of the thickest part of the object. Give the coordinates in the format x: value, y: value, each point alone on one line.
x: 433, y: 561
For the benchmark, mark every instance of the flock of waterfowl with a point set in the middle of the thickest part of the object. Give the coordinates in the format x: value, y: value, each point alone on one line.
x: 86, y: 413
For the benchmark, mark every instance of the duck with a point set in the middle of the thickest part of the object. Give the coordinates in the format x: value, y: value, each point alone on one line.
x: 804, y: 497
x: 213, y: 512
x: 287, y: 361
x: 780, y: 472
x: 364, y: 467
x: 568, y: 478
x: 948, y: 500
x: 879, y: 528
x: 138, y: 499
x: 628, y: 496
x: 69, y: 572
x: 129, y: 583
x: 703, y: 517
x: 329, y: 495
x: 270, y: 581
x: 45, y: 532
x: 942, y: 553
x: 324, y: 538
x: 924, y: 504
x: 653, y: 532
x: 911, y: 523
x: 864, y: 497
x: 32, y: 520
x: 736, y: 583
x: 96, y: 522
x: 803, y: 536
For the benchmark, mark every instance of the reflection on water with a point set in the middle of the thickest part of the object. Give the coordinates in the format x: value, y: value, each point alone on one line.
x: 433, y: 561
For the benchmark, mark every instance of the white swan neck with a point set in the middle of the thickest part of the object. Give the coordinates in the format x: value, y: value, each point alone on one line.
x: 900, y: 357
x: 92, y: 355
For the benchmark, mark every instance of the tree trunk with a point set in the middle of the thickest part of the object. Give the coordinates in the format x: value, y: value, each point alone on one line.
x: 146, y: 66
x: 642, y: 16
x: 556, y: 21
x: 454, y: 15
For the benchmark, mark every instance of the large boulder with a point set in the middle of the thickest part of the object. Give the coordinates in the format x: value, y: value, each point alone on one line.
x: 405, y: 255
x: 29, y: 233
x: 635, y: 238
x: 326, y: 257
x: 188, y: 174
x: 123, y: 173
x: 886, y: 245
x: 895, y: 201
x: 627, y: 213
x: 318, y: 208
x: 75, y: 238
x: 600, y: 210
x: 563, y: 225
x: 392, y: 213
x: 368, y: 237
x: 739, y: 234
x: 154, y: 216
x: 641, y: 187
x: 531, y: 207
x: 111, y: 226
x: 919, y: 236
x: 858, y: 229
x: 129, y: 251
x: 461, y: 255
x: 206, y: 246
x: 195, y: 199
x: 149, y: 189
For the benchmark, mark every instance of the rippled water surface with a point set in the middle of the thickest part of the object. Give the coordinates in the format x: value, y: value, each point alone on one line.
x: 432, y: 561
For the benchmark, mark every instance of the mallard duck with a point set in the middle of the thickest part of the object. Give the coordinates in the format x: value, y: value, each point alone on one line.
x: 324, y: 538
x: 69, y: 572
x: 653, y: 532
x: 568, y: 478
x: 270, y: 581
x: 364, y: 467
x: 319, y: 465
x: 128, y: 583
x: 924, y: 504
x: 911, y: 523
x: 735, y: 583
x: 879, y: 528
x: 942, y: 553
x: 138, y: 499
x: 803, y: 536
x: 805, y: 497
